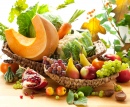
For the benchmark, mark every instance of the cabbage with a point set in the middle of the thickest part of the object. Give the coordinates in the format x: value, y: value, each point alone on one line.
x: 56, y: 20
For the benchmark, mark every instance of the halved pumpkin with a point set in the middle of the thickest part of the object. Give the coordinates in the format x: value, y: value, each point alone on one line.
x: 45, y: 42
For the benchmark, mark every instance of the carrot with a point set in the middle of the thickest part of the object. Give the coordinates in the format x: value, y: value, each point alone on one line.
x: 64, y: 29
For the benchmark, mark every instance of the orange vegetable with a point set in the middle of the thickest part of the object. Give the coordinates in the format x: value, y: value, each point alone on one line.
x: 4, y: 67
x: 97, y: 63
x: 44, y: 44
x: 64, y: 29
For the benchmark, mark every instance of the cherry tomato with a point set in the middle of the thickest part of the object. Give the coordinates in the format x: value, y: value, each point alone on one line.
x: 4, y: 67
x: 60, y: 90
x: 97, y: 63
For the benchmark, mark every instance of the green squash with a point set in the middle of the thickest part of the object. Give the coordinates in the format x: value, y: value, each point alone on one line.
x: 9, y: 75
x: 20, y: 72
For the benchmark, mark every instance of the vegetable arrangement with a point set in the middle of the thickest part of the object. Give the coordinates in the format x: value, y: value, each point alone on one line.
x: 46, y: 36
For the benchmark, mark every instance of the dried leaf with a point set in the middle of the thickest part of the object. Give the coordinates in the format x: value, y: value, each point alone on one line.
x: 121, y: 9
x: 94, y: 27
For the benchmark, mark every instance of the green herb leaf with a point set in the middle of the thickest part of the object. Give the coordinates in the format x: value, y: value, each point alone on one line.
x: 105, y: 43
x: 81, y: 101
x: 70, y: 97
x: 113, y: 32
x: 112, y: 1
x: 125, y: 21
x: 76, y: 14
x: 128, y: 53
x: 63, y: 5
x: 109, y: 10
x: 68, y: 1
x: 124, y: 38
x: 107, y: 27
x: 17, y: 8
x: 43, y: 9
x: 116, y: 42
x: 87, y: 90
x: 117, y: 48
x: 2, y: 29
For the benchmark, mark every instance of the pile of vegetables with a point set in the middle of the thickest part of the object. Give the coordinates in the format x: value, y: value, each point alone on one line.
x: 42, y: 33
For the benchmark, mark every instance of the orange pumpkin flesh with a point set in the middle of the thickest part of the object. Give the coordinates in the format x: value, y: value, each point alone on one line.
x: 34, y: 48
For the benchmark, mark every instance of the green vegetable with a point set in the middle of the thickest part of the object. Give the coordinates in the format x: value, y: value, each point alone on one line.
x: 125, y: 21
x: 76, y: 49
x: 24, y: 19
x: 70, y: 97
x: 74, y: 43
x: 76, y: 14
x: 2, y: 34
x: 66, y: 2
x: 9, y: 75
x: 19, y: 72
x: 81, y: 101
x: 87, y: 90
x: 56, y: 20
x: 17, y: 8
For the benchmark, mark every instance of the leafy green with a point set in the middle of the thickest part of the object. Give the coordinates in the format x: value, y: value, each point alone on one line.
x: 76, y: 14
x: 105, y: 43
x: 56, y: 20
x: 125, y: 21
x: 2, y: 29
x: 66, y: 50
x: 87, y: 90
x: 17, y: 8
x: 112, y: 1
x: 70, y: 97
x: 24, y: 19
x: 81, y: 101
x: 116, y: 42
x: 43, y: 9
x: 124, y: 37
x: 117, y: 45
x: 66, y: 2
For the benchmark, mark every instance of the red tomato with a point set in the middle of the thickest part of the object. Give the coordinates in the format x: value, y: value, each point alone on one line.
x: 4, y: 67
x: 97, y: 63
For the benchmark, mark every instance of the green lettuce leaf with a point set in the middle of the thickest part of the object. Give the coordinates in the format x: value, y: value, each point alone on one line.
x: 24, y: 21
x: 56, y: 20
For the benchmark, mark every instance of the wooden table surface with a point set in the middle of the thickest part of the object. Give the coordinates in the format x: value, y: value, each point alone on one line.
x: 10, y: 97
